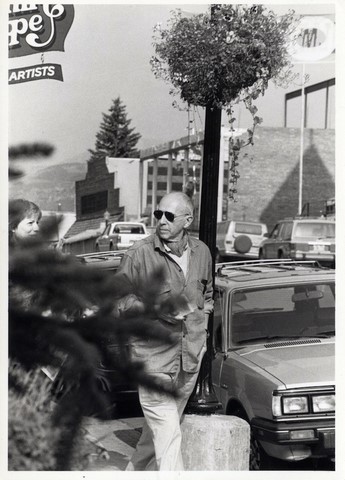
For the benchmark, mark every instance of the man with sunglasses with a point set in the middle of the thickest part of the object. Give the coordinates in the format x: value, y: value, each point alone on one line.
x: 187, y: 266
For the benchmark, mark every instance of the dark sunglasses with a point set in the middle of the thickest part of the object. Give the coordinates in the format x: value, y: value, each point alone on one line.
x: 158, y: 214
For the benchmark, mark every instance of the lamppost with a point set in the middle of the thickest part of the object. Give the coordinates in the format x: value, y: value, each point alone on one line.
x: 204, y: 399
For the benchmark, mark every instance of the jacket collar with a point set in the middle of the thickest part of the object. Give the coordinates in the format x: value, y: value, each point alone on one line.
x: 193, y: 243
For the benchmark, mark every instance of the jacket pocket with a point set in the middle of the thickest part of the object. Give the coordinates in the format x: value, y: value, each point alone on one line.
x: 164, y: 289
x: 200, y: 300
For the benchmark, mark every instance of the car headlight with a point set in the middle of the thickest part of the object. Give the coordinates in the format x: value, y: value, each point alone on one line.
x: 295, y: 405
x: 289, y: 405
x: 323, y: 403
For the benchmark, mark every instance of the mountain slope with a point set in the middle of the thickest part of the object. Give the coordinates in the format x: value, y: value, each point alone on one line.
x: 50, y: 186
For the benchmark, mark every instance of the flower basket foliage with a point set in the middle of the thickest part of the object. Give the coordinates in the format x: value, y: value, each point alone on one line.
x: 211, y: 60
x: 224, y: 58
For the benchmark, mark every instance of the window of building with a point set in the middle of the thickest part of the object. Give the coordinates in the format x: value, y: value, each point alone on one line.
x: 161, y: 185
x: 176, y: 186
x: 162, y: 171
x: 191, y: 172
x: 95, y: 202
x: 319, y: 101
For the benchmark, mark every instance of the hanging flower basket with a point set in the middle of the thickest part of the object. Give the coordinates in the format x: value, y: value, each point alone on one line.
x: 210, y: 61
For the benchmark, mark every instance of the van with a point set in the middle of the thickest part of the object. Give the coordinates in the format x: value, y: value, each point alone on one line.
x: 302, y: 238
x: 239, y: 239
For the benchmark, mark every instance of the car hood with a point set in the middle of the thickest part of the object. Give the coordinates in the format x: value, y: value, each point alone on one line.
x: 294, y: 365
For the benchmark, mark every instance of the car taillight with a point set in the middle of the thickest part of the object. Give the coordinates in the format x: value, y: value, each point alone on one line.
x: 119, y: 238
x: 299, y: 247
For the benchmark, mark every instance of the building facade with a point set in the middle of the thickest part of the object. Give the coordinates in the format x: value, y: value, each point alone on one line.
x: 97, y: 202
x: 268, y: 187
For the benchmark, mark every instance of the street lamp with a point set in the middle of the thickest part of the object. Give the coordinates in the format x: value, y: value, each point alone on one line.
x: 204, y: 399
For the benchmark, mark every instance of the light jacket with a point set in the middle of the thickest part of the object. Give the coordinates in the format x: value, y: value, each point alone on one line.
x: 139, y: 263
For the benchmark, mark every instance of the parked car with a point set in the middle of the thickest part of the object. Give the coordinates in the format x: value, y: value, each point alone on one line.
x: 274, y: 339
x: 301, y: 239
x: 239, y: 239
x: 102, y: 260
x: 120, y: 235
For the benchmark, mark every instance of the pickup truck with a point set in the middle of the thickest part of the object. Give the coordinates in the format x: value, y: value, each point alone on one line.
x: 120, y: 236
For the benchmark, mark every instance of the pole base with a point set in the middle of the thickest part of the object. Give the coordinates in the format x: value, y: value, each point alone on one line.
x: 203, y: 403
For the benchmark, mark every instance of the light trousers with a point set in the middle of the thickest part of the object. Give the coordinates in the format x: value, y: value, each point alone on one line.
x: 159, y: 447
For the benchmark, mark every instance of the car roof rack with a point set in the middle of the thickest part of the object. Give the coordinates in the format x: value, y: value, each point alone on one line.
x: 108, y: 255
x: 249, y: 265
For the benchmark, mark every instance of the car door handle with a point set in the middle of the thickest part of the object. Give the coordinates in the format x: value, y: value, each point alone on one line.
x: 223, y: 385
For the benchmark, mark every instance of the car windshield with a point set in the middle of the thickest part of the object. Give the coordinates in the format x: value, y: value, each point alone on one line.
x: 250, y: 228
x: 282, y: 312
x: 314, y: 229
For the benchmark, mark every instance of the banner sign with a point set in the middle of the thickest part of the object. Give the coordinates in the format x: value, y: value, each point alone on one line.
x: 38, y: 28
x: 50, y: 71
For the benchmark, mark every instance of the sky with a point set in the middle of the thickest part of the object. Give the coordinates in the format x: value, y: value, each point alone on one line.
x: 107, y: 54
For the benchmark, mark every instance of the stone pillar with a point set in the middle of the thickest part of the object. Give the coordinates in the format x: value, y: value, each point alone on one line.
x: 215, y: 442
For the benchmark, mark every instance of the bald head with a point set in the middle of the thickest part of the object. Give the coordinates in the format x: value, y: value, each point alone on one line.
x: 180, y: 199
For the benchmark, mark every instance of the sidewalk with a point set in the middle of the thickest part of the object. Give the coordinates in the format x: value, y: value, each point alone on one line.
x: 116, y: 438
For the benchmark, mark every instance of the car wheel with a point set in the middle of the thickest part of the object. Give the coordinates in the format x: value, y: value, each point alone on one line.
x: 242, y: 244
x: 258, y: 458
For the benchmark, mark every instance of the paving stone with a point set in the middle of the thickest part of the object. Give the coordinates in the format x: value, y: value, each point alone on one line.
x: 118, y: 438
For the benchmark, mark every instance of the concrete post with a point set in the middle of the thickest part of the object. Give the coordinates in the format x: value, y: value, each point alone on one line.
x: 215, y: 442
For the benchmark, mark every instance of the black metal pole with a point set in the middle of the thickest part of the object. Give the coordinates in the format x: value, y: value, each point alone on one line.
x: 203, y: 399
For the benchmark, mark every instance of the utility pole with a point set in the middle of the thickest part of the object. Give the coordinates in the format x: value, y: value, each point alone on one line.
x: 204, y: 399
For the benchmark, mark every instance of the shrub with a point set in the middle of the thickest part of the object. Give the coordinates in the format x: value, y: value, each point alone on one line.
x: 32, y: 434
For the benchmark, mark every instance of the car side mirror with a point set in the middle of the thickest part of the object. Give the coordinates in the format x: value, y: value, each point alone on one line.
x: 266, y: 235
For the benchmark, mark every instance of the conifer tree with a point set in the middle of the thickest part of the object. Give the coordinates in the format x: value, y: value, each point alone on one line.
x: 115, y: 138
x: 48, y: 291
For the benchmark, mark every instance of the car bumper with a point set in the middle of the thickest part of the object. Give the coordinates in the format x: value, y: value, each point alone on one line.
x: 231, y: 252
x: 124, y: 246
x: 320, y: 257
x: 279, y: 439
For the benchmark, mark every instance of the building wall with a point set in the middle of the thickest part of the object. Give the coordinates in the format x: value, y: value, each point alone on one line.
x: 127, y: 179
x: 269, y: 182
x: 268, y: 186
x: 98, y: 179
